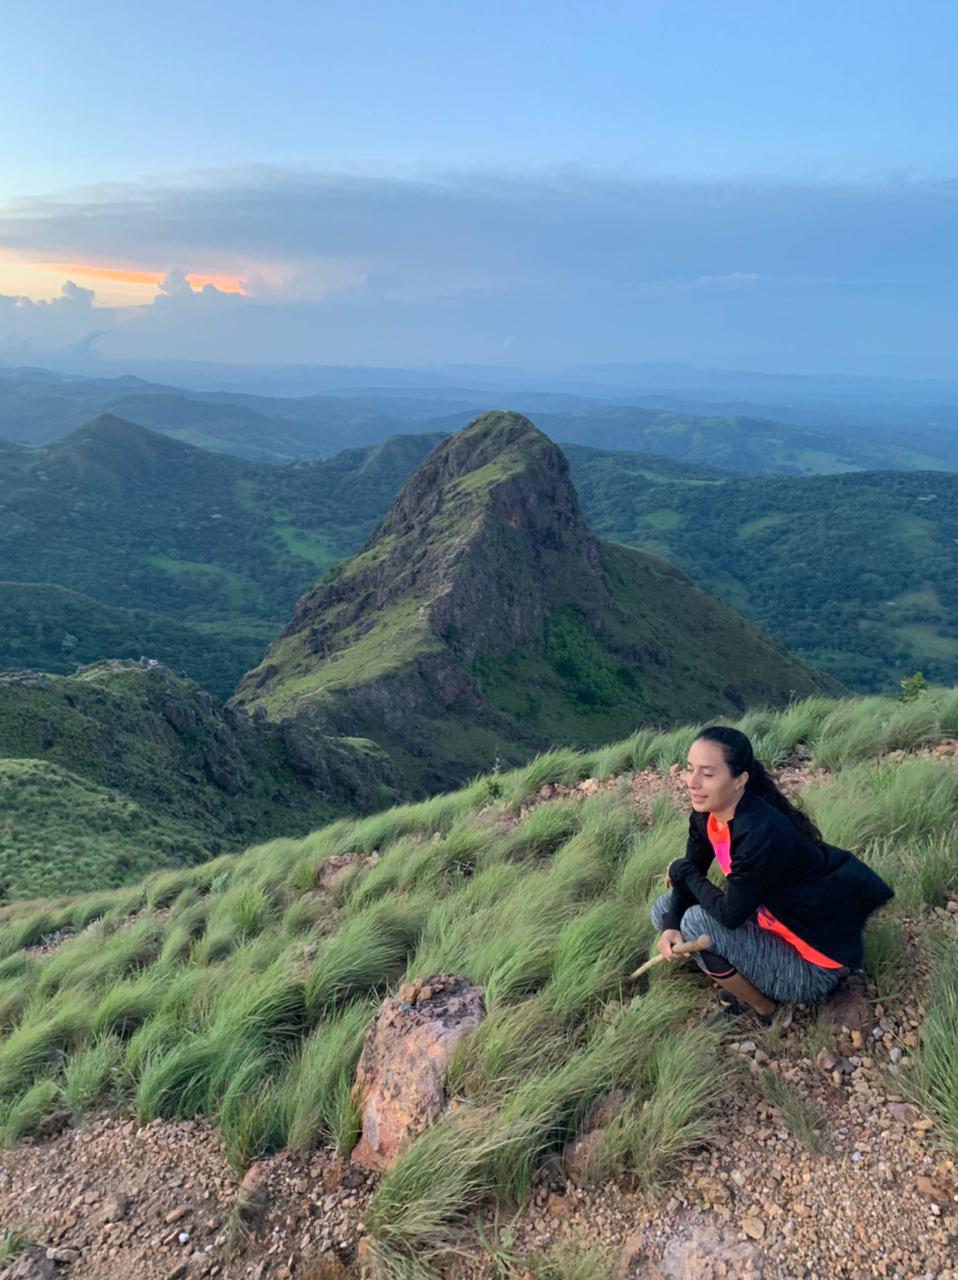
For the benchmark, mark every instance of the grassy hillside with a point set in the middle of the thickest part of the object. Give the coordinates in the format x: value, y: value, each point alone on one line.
x: 136, y: 521
x: 858, y: 574
x: 483, y: 619
x: 123, y: 768
x: 239, y: 991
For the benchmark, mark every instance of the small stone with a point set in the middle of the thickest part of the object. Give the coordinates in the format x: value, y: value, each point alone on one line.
x: 114, y: 1208
x: 65, y: 1256
x: 176, y: 1214
x: 754, y: 1228
x: 825, y: 1060
x: 557, y: 1206
x: 934, y: 1190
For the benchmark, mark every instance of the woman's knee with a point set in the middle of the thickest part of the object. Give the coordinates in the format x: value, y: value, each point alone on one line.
x: 694, y: 923
x: 660, y: 910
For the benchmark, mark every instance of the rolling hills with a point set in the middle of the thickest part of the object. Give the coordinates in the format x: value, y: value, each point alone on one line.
x: 856, y: 573
x: 213, y: 548
x: 38, y: 407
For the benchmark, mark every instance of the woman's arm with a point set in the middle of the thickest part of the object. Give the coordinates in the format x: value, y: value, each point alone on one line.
x: 749, y: 882
x: 698, y: 855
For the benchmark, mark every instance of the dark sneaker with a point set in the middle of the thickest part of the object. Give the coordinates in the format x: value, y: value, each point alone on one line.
x: 733, y: 1018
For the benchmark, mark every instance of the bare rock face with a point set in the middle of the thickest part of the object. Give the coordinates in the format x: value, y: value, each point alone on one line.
x: 399, y: 1079
x: 333, y: 870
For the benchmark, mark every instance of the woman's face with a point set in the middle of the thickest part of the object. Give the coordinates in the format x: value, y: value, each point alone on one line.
x: 712, y: 789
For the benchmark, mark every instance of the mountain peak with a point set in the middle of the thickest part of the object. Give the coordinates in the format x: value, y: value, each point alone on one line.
x: 498, y: 467
x: 483, y: 600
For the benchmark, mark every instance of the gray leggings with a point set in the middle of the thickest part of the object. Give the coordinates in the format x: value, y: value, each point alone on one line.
x: 765, y: 959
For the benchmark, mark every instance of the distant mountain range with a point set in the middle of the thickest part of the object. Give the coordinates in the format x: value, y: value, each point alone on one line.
x: 121, y: 542
x: 38, y: 407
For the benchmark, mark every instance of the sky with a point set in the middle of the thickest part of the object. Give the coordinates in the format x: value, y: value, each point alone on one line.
x: 739, y: 184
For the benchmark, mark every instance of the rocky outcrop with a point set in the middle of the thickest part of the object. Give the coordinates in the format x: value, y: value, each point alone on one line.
x: 399, y: 1079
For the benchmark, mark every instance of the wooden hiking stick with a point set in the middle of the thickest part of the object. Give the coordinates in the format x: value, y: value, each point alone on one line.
x: 701, y: 943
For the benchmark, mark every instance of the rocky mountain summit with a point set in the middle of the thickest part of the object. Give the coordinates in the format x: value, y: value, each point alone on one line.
x: 483, y: 619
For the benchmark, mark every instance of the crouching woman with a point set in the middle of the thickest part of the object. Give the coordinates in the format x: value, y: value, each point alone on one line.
x: 787, y: 927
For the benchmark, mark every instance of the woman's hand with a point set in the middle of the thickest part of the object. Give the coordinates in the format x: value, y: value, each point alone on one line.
x: 668, y: 938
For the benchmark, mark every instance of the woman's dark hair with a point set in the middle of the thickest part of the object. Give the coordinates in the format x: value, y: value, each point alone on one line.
x: 740, y: 758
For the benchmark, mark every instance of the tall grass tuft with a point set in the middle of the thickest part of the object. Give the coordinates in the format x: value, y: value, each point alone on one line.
x: 88, y: 1073
x: 937, y: 1077
x: 364, y: 954
x: 562, y: 765
x: 803, y: 1117
x: 315, y: 1090
x: 672, y: 1116
x: 37, y: 1048
x: 507, y: 1047
x: 797, y: 724
x: 26, y: 1113
x: 903, y: 801
x: 865, y: 728
x: 886, y: 956
x: 127, y: 1005
x: 432, y: 1187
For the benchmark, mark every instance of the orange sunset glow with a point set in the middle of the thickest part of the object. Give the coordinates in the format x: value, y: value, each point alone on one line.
x: 127, y: 275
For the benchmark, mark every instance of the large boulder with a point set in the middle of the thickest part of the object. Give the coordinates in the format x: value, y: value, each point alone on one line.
x: 400, y: 1078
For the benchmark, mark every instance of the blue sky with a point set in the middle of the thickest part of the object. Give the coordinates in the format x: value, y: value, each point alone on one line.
x: 720, y: 182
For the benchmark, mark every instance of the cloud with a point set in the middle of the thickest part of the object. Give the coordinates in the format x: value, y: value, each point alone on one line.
x: 561, y: 266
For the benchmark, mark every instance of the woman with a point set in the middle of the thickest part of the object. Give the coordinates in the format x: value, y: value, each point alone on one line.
x: 788, y: 925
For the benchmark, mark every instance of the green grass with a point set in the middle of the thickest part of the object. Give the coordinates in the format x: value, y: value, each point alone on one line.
x: 238, y: 991
x: 89, y: 1072
x: 936, y: 1081
x: 14, y: 1241
x: 24, y: 1115
x: 315, y: 1095
x: 803, y: 1118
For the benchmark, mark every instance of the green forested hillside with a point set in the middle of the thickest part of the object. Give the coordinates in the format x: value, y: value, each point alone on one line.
x: 755, y: 446
x: 856, y: 573
x: 217, y: 545
x: 49, y: 628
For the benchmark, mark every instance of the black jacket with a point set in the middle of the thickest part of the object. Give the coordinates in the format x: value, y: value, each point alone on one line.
x: 823, y: 894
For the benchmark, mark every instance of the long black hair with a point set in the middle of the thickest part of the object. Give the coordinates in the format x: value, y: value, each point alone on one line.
x: 740, y: 758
